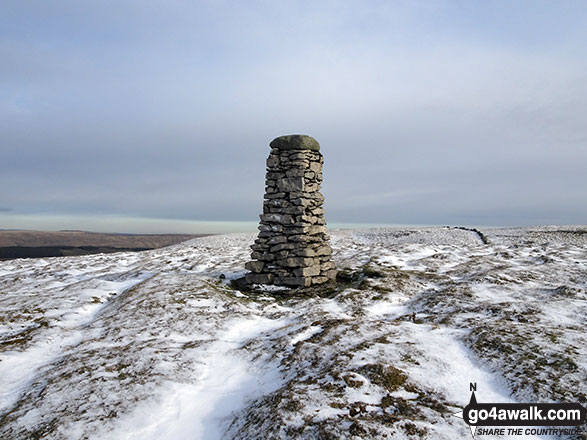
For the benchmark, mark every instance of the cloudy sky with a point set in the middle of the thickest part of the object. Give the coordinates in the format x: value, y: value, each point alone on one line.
x: 156, y: 115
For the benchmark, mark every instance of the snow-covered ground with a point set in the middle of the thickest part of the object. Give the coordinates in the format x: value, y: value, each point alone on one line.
x: 158, y: 345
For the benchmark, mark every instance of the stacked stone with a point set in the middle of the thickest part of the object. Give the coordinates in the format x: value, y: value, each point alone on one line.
x: 292, y: 248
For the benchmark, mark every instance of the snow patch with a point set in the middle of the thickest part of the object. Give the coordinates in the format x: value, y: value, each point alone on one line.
x: 306, y: 334
x: 225, y: 381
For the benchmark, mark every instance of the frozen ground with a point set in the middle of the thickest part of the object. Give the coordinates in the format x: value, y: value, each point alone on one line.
x: 157, y: 345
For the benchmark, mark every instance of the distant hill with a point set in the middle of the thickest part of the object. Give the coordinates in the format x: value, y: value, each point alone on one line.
x: 34, y: 244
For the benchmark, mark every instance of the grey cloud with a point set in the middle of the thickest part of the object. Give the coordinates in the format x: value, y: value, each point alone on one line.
x: 168, y: 113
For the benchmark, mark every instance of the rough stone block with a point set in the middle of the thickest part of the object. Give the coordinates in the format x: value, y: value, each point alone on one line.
x: 298, y: 156
x: 276, y: 218
x: 270, y: 227
x: 276, y: 240
x: 282, y: 246
x: 272, y: 160
x: 279, y: 195
x: 294, y: 172
x: 296, y: 262
x: 259, y: 245
x: 330, y: 274
x: 263, y: 256
x: 254, y: 266
x: 282, y: 254
x: 304, y: 238
x: 295, y: 142
x: 307, y: 271
x: 296, y: 230
x: 295, y: 281
x: 259, y: 278
x: 289, y: 184
x: 323, y: 250
x: 307, y: 219
x: 304, y: 252
x: 319, y: 280
x: 327, y: 266
x: 315, y: 166
x: 312, y: 230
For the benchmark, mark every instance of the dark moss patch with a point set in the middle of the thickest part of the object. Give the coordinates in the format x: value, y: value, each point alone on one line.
x: 413, y: 430
x: 42, y: 431
x: 381, y: 289
x: 401, y: 406
x: 388, y: 377
x: 432, y: 401
x: 357, y: 429
x: 347, y: 276
x: 357, y: 408
x: 23, y: 337
x: 351, y: 382
x: 192, y: 344
x: 409, y: 359
x: 292, y: 405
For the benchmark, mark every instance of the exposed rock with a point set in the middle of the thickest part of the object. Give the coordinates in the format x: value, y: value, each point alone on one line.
x: 255, y: 266
x: 295, y: 142
x: 292, y: 246
x: 291, y: 184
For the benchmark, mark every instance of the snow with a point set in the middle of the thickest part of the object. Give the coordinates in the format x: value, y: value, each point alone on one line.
x: 455, y: 367
x: 18, y: 368
x: 306, y: 334
x: 200, y: 410
x: 388, y: 308
x: 158, y: 345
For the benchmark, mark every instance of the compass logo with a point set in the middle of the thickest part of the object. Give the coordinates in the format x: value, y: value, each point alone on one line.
x: 493, y: 418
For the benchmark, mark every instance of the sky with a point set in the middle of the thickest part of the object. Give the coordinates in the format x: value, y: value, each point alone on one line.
x: 156, y: 116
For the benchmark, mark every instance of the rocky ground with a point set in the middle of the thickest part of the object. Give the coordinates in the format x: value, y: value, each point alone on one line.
x: 159, y: 345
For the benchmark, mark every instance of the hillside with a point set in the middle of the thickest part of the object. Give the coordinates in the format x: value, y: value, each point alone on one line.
x: 35, y: 244
x: 158, y: 345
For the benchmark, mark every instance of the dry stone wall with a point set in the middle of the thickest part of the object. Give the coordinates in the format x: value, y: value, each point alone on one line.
x: 292, y: 248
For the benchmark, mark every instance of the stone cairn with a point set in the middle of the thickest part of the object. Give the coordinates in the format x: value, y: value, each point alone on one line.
x: 292, y: 247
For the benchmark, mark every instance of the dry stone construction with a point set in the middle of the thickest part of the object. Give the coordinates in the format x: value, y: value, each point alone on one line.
x: 292, y: 248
